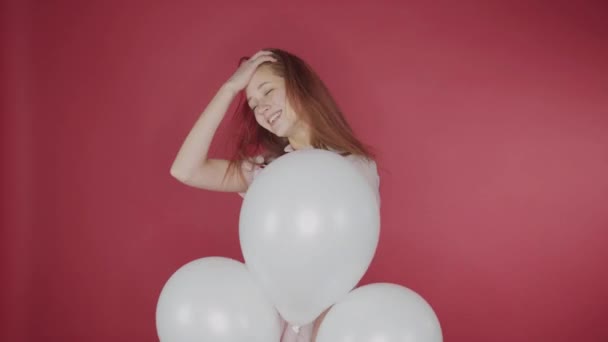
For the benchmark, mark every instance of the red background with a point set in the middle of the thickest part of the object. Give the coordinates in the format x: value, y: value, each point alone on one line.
x: 489, y: 118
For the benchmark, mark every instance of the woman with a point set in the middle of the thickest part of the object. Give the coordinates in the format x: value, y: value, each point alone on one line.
x: 287, y: 108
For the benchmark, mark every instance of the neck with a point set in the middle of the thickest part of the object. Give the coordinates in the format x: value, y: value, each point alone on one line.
x: 299, y: 140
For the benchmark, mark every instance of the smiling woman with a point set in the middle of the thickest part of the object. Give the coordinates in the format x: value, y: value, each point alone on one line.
x: 287, y: 108
x: 267, y: 101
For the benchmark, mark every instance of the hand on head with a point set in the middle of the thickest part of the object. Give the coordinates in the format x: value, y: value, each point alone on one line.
x: 241, y: 77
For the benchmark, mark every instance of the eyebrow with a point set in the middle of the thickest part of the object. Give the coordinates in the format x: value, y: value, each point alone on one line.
x: 260, y: 86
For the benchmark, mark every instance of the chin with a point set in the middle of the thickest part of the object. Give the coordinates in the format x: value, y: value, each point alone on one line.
x: 282, y: 133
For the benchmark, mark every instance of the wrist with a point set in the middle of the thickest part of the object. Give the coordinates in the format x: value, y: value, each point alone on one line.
x: 230, y: 89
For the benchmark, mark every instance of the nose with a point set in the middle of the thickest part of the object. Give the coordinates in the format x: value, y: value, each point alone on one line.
x: 263, y: 108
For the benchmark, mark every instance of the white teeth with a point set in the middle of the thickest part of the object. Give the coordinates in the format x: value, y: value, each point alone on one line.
x: 274, y: 117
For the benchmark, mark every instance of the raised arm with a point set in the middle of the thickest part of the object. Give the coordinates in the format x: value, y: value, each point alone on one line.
x: 191, y: 165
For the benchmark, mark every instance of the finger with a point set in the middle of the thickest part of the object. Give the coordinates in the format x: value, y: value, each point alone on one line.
x: 260, y: 54
x: 263, y: 59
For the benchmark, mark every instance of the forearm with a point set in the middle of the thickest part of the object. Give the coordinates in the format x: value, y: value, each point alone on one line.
x: 193, y: 152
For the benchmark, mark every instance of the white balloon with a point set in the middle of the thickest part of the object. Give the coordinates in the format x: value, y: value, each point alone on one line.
x: 381, y: 312
x: 215, y: 299
x: 309, y: 228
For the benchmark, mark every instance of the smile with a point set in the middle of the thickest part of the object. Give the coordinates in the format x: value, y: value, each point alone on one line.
x: 274, y: 117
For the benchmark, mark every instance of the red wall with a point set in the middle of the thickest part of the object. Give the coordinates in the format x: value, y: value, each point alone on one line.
x: 490, y: 120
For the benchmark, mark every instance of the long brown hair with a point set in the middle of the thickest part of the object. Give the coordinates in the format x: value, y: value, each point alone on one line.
x: 312, y: 102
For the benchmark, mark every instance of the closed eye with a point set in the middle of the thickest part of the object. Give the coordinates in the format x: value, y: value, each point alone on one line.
x: 266, y: 93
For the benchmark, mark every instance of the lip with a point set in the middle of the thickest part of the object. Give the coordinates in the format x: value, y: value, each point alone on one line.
x: 273, y: 114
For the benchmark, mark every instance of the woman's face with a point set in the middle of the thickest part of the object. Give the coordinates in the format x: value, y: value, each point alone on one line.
x: 267, y: 98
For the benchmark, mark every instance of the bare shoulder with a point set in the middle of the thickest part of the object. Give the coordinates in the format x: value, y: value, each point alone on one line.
x: 250, y: 169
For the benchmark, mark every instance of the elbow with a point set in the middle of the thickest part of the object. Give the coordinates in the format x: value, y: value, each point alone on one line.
x: 179, y: 174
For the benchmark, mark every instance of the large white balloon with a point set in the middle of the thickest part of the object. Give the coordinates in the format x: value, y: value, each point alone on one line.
x: 215, y: 299
x: 309, y: 228
x: 381, y: 312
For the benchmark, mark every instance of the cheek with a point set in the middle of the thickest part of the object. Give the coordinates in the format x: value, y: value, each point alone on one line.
x: 260, y: 120
x: 278, y: 98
